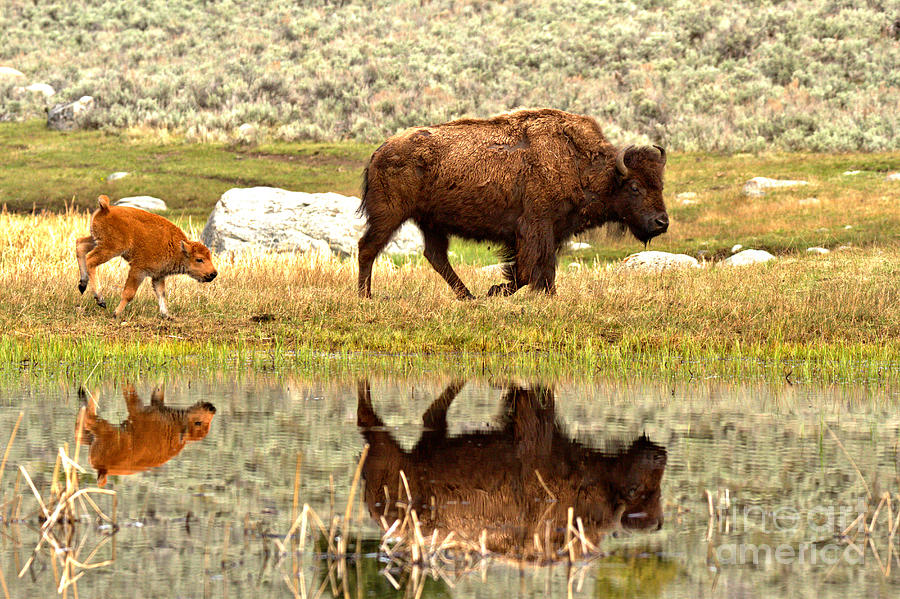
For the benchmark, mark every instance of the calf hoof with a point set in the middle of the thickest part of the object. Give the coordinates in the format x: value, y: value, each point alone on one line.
x: 465, y: 296
x: 101, y: 302
x: 82, y: 285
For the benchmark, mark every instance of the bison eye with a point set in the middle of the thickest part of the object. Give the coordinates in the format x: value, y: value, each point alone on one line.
x: 634, y: 188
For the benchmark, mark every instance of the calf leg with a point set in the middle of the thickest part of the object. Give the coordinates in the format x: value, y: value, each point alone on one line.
x: 436, y: 244
x: 128, y: 292
x: 94, y: 258
x: 159, y: 288
x: 82, y: 246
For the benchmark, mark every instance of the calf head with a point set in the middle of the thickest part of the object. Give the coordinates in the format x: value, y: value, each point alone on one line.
x: 637, y: 200
x: 197, y: 420
x: 198, y: 261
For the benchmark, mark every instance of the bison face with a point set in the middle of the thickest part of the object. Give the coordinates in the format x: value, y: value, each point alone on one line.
x: 198, y: 261
x: 640, y: 490
x: 638, y: 200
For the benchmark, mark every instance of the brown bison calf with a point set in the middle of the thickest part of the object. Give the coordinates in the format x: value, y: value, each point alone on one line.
x: 152, y: 246
x: 527, y: 181
x: 150, y: 436
x: 516, y: 481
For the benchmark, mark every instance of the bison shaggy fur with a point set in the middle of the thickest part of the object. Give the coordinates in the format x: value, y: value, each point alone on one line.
x: 526, y: 180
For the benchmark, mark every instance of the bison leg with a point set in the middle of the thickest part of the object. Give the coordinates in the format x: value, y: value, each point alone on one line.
x: 536, y: 254
x: 370, y: 245
x: 159, y: 288
x: 132, y: 283
x: 436, y: 244
x: 82, y: 246
x: 435, y: 417
x: 133, y: 402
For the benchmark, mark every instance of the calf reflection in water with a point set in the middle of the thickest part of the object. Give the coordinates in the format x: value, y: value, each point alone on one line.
x: 150, y: 436
x: 515, y: 481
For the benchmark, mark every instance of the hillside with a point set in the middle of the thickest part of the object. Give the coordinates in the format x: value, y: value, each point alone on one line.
x: 712, y: 75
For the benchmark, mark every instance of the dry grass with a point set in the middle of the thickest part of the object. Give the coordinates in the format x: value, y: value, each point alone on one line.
x: 818, y: 315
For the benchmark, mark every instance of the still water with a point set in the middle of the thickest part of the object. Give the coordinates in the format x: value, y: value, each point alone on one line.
x: 704, y: 488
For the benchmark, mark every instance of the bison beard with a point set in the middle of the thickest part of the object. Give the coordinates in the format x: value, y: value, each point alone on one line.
x: 499, y: 480
x: 527, y: 180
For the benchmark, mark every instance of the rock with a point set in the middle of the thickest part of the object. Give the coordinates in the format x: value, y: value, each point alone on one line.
x: 65, y: 117
x: 9, y: 73
x: 148, y: 203
x: 818, y: 250
x: 283, y: 220
x: 41, y: 88
x: 654, y: 261
x: 757, y: 186
x: 748, y: 257
x: 736, y: 248
x: 579, y: 245
x: 848, y: 227
x: 574, y: 266
x: 116, y: 176
x: 850, y: 173
x: 686, y: 195
x: 493, y: 269
x: 247, y: 132
x: 893, y: 177
x: 809, y: 202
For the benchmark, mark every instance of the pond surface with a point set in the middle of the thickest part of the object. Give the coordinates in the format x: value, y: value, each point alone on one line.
x: 694, y: 489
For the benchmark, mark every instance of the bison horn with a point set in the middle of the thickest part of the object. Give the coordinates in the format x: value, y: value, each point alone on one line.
x: 662, y: 153
x: 620, y: 161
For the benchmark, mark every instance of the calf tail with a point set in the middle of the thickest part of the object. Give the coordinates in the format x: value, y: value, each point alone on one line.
x: 103, y: 201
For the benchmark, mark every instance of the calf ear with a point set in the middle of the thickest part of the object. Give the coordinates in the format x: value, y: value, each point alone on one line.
x: 184, y: 249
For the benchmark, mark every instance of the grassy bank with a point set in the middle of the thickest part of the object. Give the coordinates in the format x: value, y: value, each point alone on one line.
x: 833, y: 317
x: 716, y: 75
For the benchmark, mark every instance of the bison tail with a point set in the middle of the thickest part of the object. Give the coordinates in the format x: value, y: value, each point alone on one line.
x: 363, y: 209
x: 103, y: 201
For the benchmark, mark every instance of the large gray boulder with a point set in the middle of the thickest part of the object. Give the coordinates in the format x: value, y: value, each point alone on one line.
x: 148, y: 203
x: 272, y: 218
x: 65, y: 117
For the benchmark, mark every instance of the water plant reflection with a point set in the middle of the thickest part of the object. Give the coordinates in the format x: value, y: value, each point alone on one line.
x: 150, y: 436
x: 523, y: 489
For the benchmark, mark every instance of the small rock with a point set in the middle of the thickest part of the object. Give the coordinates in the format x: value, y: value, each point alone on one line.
x: 893, y: 177
x: 10, y: 73
x: 848, y: 227
x: 574, y: 266
x: 65, y: 117
x: 41, y: 88
x: 809, y: 202
x: 654, y: 261
x: 757, y: 185
x: 822, y: 230
x: 818, y: 250
x: 247, y: 132
x: 851, y: 173
x: 748, y: 257
x: 117, y: 175
x: 148, y: 203
x: 736, y: 248
x: 579, y: 245
x: 686, y: 195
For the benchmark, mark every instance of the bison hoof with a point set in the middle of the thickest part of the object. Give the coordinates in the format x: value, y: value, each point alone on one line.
x: 465, y: 296
x: 82, y: 285
x: 501, y: 290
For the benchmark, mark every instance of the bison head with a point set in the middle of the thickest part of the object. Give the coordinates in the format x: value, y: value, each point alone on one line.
x: 637, y: 200
x: 198, y: 261
x: 197, y: 420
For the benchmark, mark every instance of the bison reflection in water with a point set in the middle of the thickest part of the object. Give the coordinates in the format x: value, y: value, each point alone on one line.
x: 515, y: 481
x: 150, y: 436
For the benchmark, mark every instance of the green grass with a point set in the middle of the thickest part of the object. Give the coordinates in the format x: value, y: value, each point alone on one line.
x: 48, y: 170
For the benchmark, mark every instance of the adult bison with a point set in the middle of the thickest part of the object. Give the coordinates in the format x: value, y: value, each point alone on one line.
x: 527, y: 180
x: 514, y: 481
